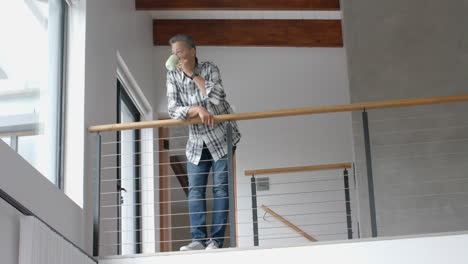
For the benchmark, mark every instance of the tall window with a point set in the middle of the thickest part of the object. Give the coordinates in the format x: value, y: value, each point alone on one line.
x: 31, y: 59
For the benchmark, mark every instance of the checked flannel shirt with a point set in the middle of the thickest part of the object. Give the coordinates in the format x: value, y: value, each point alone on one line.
x: 183, y: 93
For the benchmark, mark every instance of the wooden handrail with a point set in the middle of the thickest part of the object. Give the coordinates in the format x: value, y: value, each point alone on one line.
x: 286, y: 222
x: 284, y: 113
x: 299, y: 169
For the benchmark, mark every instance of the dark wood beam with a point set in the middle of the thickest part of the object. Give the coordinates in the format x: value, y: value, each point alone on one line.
x: 252, y: 32
x: 237, y: 4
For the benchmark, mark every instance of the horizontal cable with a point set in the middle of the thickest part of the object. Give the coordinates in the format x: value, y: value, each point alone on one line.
x: 173, y: 188
x: 240, y: 196
x: 311, y: 232
x: 278, y: 194
x: 239, y: 209
x: 240, y: 223
x: 177, y: 201
x: 409, y: 117
x: 218, y: 211
x: 299, y: 236
x: 360, y: 174
x: 161, y: 241
x: 181, y: 240
x: 153, y: 139
x: 276, y: 227
x: 154, y: 164
x: 186, y: 174
x: 420, y: 156
x: 414, y: 130
x: 163, y: 176
x: 168, y: 228
x: 260, y: 235
x: 177, y: 188
x: 143, y: 152
x: 134, y: 217
x: 319, y: 180
x: 156, y: 151
x: 421, y: 209
x: 429, y: 195
x: 418, y: 143
x: 316, y: 202
x: 260, y: 228
x: 331, y: 212
x: 424, y: 182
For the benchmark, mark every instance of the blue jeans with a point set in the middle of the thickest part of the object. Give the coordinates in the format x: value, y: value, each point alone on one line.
x: 198, y: 178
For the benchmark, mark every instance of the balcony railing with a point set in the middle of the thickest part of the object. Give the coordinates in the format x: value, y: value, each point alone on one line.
x: 307, y: 203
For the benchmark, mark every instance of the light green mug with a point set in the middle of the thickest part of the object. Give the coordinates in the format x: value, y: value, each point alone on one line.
x: 172, y: 62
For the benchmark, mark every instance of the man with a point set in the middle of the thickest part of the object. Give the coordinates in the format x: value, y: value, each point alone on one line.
x: 195, y: 89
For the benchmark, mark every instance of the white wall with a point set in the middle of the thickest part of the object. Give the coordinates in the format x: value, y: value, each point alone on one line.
x: 411, y: 49
x: 111, y: 26
x: 450, y: 248
x: 25, y: 184
x: 9, y: 227
x: 258, y: 79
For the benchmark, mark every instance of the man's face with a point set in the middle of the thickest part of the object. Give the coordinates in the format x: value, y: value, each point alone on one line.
x: 183, y: 51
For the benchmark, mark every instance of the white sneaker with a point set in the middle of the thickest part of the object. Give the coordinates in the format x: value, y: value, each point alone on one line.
x: 193, y: 246
x: 212, y: 245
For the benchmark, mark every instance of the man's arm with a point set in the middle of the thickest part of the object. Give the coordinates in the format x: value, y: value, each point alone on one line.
x: 205, y: 116
x: 177, y: 111
x: 212, y: 87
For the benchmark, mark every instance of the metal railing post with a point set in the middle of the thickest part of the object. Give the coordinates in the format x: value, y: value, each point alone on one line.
x: 348, y: 204
x: 97, y: 200
x: 370, y: 177
x: 232, y: 209
x: 253, y: 185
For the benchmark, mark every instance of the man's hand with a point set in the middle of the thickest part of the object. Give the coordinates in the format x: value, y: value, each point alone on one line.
x: 206, y: 117
x: 186, y: 67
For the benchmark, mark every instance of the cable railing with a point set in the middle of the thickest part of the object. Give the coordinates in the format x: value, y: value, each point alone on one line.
x: 346, y: 212
x: 142, y: 193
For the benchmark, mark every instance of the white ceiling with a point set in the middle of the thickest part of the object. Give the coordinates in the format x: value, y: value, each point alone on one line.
x: 246, y: 14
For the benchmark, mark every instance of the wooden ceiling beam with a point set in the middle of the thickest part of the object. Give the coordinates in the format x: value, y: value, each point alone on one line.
x: 237, y: 4
x: 252, y: 32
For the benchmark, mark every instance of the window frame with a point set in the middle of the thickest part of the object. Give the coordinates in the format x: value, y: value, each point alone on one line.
x: 60, y: 150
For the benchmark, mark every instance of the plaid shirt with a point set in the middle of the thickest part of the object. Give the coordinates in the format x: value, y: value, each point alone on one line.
x: 183, y: 93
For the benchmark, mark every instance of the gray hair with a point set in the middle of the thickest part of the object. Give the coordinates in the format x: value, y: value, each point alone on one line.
x: 185, y: 38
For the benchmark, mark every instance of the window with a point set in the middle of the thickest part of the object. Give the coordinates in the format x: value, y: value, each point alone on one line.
x: 31, y: 59
x: 129, y: 177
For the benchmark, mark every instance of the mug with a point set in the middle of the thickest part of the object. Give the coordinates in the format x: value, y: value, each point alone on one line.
x: 172, y: 62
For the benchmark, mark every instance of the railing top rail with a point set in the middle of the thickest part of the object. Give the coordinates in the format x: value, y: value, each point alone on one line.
x: 284, y: 113
x: 299, y: 169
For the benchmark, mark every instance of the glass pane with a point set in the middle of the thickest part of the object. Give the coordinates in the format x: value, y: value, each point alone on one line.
x: 6, y: 140
x: 30, y: 67
x: 28, y: 147
x: 128, y: 176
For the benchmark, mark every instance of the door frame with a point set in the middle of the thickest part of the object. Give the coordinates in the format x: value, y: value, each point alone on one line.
x: 148, y: 183
x: 123, y: 96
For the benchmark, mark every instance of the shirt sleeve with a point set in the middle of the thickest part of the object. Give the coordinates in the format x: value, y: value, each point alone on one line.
x: 174, y: 105
x: 214, y: 86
